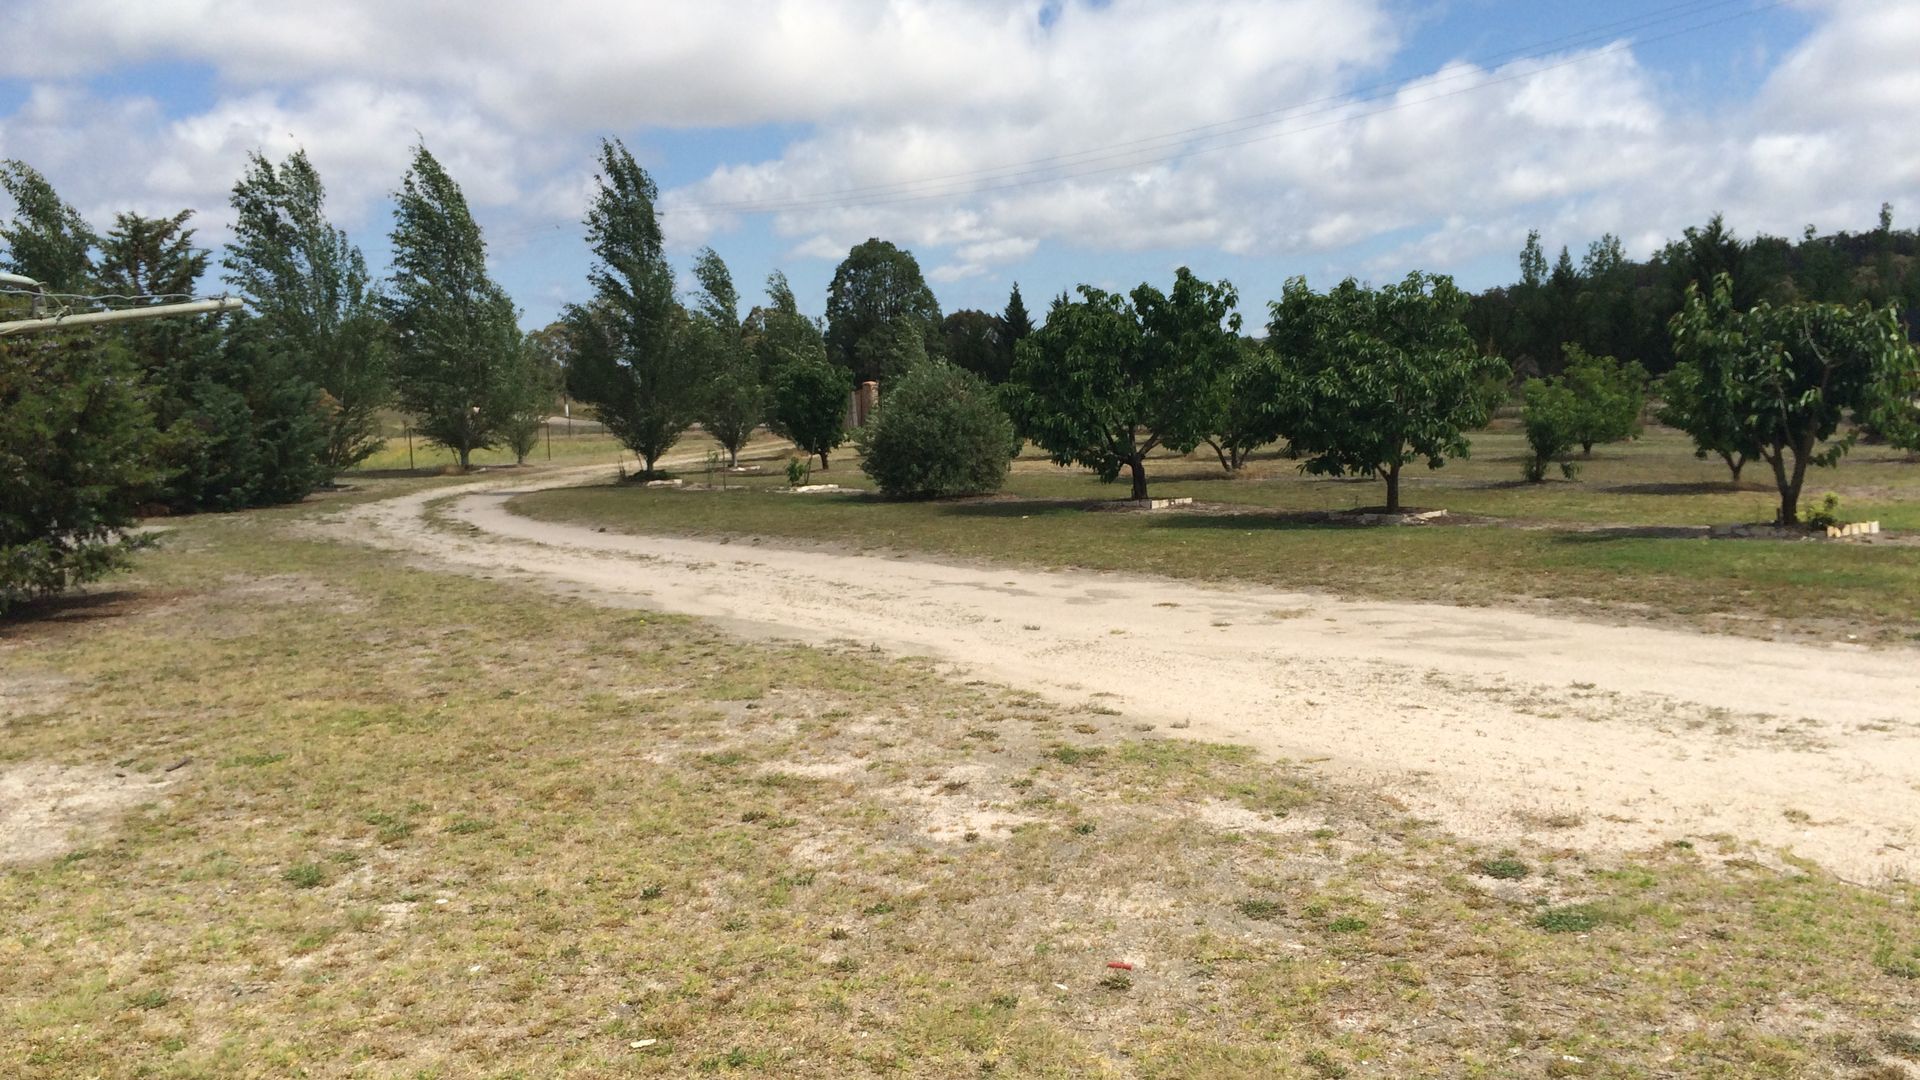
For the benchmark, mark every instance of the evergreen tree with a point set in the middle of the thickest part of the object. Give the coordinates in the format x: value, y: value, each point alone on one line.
x: 633, y: 357
x: 806, y: 392
x: 75, y: 442
x: 1015, y: 326
x: 456, y: 342
x: 47, y: 240
x: 311, y: 295
x: 733, y: 400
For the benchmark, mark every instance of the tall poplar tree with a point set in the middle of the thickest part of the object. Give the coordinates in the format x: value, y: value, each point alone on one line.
x: 631, y: 357
x: 455, y: 337
x: 733, y: 399
x: 311, y: 300
x: 47, y: 240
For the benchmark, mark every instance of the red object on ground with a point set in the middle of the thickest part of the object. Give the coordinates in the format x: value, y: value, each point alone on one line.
x: 1120, y: 964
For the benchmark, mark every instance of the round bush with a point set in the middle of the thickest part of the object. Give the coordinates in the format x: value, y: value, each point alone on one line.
x: 939, y: 431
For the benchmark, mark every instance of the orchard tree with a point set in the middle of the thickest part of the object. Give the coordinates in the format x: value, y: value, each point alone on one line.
x: 1610, y: 397
x: 1110, y: 379
x: 1379, y: 378
x: 536, y: 384
x: 1243, y: 406
x: 632, y: 358
x: 733, y: 400
x: 877, y: 297
x: 311, y: 298
x: 456, y: 338
x: 806, y: 392
x: 47, y: 239
x: 810, y: 403
x: 1551, y: 421
x: 1697, y: 397
x: 1793, y: 374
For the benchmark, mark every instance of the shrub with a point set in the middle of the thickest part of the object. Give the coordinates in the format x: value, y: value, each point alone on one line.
x: 1827, y: 514
x: 939, y: 431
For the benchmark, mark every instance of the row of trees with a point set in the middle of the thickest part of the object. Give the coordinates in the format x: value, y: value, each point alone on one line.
x: 251, y: 409
x: 1357, y: 380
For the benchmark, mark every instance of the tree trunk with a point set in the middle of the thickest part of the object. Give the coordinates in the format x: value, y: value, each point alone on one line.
x: 650, y: 459
x: 465, y: 453
x: 733, y: 457
x: 1586, y: 450
x: 823, y: 461
x: 1225, y: 462
x: 1393, y: 488
x: 1735, y: 462
x: 1138, y: 466
x: 1791, y: 484
x: 1789, y: 512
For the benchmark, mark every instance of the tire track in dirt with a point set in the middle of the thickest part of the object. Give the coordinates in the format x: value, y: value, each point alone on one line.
x: 1496, y: 723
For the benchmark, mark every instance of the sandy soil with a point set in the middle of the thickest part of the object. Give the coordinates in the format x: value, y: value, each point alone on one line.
x: 1496, y: 723
x: 47, y: 809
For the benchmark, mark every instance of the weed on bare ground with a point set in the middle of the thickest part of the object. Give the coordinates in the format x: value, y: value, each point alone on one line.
x: 451, y: 827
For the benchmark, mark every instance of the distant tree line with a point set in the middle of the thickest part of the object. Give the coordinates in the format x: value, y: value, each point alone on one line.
x: 1610, y: 305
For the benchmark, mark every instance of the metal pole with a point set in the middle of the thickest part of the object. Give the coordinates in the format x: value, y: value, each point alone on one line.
x: 96, y: 318
x: 549, y: 426
x: 409, y: 449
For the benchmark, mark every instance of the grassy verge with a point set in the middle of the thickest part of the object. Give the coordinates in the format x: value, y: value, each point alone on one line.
x: 1605, y: 543
x: 434, y: 826
x: 560, y: 447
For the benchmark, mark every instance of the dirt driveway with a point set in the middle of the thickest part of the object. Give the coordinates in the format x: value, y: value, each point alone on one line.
x: 1496, y: 723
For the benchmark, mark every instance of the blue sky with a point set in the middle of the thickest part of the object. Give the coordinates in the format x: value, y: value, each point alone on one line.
x: 1636, y: 118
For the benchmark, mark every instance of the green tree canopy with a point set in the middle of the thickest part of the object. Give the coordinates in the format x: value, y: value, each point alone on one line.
x: 312, y: 300
x: 47, y: 239
x: 1109, y: 379
x: 733, y: 399
x: 972, y: 341
x: 75, y: 447
x: 876, y: 290
x: 1610, y: 395
x: 1244, y: 396
x: 1792, y: 374
x: 1379, y: 377
x: 456, y: 338
x: 631, y: 356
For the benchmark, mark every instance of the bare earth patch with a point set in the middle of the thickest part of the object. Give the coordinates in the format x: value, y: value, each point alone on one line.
x: 45, y: 809
x: 1501, y: 725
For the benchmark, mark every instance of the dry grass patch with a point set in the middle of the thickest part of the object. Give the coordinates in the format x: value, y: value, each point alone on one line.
x: 443, y: 827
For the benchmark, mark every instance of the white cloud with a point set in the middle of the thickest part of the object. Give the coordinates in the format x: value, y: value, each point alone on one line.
x: 898, y: 101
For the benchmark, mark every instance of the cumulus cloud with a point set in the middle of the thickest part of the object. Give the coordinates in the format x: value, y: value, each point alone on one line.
x: 979, y: 132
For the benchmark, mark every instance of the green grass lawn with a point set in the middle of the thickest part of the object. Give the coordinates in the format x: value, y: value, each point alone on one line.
x: 1593, y: 545
x: 392, y: 822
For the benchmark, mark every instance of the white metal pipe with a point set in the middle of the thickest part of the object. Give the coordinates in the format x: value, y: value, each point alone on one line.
x: 16, y: 279
x: 96, y: 318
